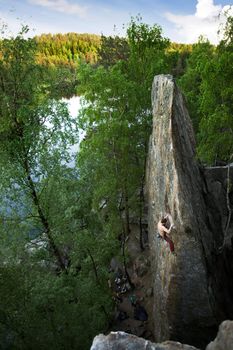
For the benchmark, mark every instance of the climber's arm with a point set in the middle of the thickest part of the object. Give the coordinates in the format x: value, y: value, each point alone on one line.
x: 162, y: 229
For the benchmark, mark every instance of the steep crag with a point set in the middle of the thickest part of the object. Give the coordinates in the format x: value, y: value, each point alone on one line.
x: 193, y: 291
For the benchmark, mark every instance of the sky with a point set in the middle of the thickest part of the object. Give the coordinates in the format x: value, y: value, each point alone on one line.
x: 181, y: 20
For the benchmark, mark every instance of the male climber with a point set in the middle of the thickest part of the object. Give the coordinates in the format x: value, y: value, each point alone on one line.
x: 164, y: 227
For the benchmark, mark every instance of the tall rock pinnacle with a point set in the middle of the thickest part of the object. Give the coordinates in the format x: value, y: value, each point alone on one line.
x: 184, y: 302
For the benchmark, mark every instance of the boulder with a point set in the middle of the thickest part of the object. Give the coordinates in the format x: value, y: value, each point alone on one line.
x: 224, y: 339
x: 122, y: 341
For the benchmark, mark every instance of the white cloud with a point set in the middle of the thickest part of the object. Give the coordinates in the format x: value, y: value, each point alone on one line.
x: 207, y: 9
x: 205, y: 21
x: 61, y: 6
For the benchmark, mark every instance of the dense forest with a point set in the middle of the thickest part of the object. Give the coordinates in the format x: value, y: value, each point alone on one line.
x: 67, y: 49
x: 65, y: 214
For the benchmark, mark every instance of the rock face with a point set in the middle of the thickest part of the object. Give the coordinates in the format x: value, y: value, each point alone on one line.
x: 224, y: 339
x: 122, y: 341
x: 218, y: 197
x: 187, y: 298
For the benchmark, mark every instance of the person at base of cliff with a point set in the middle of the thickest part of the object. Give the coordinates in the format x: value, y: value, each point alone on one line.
x: 164, y: 227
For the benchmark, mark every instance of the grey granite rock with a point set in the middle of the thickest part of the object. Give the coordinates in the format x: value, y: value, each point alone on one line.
x: 184, y: 305
x: 124, y: 341
x: 224, y: 339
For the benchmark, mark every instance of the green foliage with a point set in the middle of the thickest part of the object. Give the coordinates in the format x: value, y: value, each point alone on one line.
x: 55, y: 296
x: 67, y: 49
x: 40, y: 310
x: 117, y: 120
x: 177, y: 57
x: 112, y: 50
x: 191, y: 82
x: 17, y: 84
x: 147, y: 51
x: 216, y: 106
x: 215, y: 136
x: 207, y: 85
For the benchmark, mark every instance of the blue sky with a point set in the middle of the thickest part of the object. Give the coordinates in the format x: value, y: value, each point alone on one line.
x: 182, y: 21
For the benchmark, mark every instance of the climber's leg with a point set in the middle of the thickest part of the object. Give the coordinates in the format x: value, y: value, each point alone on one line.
x: 169, y: 241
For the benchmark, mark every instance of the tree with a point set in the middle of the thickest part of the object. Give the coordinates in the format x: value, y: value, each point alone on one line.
x: 66, y: 50
x: 112, y: 49
x: 177, y: 57
x: 216, y: 126
x: 191, y: 81
x: 117, y: 120
x: 48, y: 295
x: 207, y: 85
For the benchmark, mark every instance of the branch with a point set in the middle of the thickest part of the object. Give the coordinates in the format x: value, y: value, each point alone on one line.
x: 43, y: 218
x: 94, y: 266
x: 123, y: 242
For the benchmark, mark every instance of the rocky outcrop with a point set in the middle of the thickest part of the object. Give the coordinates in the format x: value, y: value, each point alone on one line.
x: 122, y: 341
x: 218, y: 196
x: 191, y: 291
x: 224, y: 339
x: 187, y: 302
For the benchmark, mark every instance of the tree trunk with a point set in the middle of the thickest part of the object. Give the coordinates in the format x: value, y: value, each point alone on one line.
x: 126, y: 200
x: 94, y: 266
x: 56, y: 252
